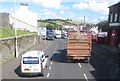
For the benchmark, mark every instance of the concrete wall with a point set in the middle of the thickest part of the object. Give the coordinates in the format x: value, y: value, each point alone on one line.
x: 7, y: 48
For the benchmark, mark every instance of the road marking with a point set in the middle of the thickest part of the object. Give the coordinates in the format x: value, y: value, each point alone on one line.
x: 56, y: 47
x: 48, y: 45
x: 48, y: 74
x: 85, y: 77
x: 51, y: 63
x: 79, y: 65
x: 49, y: 68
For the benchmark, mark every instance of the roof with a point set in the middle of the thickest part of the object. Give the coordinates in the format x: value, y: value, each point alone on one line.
x: 114, y: 4
x: 33, y: 53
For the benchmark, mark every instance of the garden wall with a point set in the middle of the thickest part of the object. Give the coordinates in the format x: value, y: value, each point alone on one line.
x: 7, y: 46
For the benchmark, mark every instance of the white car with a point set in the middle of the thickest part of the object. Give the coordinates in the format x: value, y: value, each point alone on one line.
x: 33, y: 63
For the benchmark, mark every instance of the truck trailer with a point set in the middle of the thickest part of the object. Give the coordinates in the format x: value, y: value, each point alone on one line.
x: 79, y: 45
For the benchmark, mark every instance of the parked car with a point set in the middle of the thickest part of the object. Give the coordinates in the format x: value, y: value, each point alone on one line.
x: 64, y: 35
x: 33, y: 63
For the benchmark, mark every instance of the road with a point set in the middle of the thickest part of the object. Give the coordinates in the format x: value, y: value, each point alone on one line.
x: 58, y: 68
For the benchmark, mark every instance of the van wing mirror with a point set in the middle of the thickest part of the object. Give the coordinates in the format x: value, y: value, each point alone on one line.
x: 46, y: 56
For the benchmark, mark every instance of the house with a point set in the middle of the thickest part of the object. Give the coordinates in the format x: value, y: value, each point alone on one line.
x: 114, y: 25
x: 94, y: 29
x: 68, y: 26
x: 24, y: 19
x: 4, y: 19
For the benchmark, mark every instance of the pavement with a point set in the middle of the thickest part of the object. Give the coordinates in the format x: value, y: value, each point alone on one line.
x: 112, y: 53
x: 110, y: 56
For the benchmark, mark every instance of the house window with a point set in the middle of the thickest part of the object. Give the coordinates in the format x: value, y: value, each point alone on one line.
x: 115, y: 18
x: 111, y: 17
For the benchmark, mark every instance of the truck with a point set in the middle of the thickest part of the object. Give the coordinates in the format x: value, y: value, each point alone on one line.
x: 79, y: 45
x: 50, y: 35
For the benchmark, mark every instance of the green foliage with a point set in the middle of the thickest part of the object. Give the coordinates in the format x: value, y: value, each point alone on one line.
x: 103, y: 24
x: 49, y: 26
x: 57, y: 23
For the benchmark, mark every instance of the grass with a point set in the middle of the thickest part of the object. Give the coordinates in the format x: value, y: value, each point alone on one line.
x: 7, y: 32
x: 42, y: 23
x: 54, y: 22
x: 58, y: 22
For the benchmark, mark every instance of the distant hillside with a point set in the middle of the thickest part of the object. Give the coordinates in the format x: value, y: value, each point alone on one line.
x: 57, y: 23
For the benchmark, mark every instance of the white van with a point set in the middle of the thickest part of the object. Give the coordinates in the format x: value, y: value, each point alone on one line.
x: 33, y: 63
x: 58, y: 33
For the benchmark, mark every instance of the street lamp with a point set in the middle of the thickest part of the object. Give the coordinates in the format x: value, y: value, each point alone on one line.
x: 16, y: 48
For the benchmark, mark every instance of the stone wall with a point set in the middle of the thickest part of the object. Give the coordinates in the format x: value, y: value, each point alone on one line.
x: 7, y: 46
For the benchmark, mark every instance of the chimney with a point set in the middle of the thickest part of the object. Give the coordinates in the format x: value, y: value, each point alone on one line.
x: 24, y: 6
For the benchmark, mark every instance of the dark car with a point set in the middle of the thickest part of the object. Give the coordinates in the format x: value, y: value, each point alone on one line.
x: 50, y: 35
x: 64, y: 35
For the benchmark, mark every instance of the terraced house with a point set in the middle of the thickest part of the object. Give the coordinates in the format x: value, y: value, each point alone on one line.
x: 114, y: 25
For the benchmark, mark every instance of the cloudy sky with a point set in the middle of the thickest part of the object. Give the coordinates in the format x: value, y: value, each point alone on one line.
x: 93, y: 10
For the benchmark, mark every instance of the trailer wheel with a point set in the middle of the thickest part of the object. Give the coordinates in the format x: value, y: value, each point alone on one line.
x: 87, y: 60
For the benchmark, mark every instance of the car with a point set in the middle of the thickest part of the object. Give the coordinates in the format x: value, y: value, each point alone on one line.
x: 33, y: 63
x: 64, y: 35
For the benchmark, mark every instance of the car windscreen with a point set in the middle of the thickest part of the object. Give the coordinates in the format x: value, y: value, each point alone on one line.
x: 30, y: 60
x: 50, y: 33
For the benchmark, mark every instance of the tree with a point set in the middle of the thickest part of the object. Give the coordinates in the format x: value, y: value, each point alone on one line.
x: 103, y: 24
x: 49, y: 26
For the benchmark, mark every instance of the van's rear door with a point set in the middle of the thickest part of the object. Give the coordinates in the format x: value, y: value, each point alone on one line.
x: 30, y: 64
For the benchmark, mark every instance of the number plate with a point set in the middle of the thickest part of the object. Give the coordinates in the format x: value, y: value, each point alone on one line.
x: 26, y: 69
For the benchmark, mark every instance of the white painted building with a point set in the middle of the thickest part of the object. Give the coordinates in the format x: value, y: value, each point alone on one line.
x: 94, y: 29
x: 25, y: 19
x: 68, y: 26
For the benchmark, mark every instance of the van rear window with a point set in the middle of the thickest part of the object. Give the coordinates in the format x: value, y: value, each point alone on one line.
x: 30, y: 60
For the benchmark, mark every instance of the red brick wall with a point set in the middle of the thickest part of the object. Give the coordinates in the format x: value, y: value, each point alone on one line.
x: 112, y: 37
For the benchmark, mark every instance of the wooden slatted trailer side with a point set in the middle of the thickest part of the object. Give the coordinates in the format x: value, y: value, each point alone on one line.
x: 79, y: 45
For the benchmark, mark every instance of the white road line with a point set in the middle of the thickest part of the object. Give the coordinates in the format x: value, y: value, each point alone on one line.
x: 48, y: 74
x: 85, y: 77
x: 49, y: 68
x: 56, y: 47
x: 79, y: 65
x: 48, y: 45
x: 51, y: 63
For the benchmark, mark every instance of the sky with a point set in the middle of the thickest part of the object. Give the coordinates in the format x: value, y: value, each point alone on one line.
x: 93, y: 10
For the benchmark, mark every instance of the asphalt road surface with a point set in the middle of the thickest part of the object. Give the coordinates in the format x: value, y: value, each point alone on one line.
x: 58, y: 67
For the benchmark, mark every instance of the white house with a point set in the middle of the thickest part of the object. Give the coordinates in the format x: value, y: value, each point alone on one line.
x: 24, y: 19
x: 94, y: 29
x: 68, y: 26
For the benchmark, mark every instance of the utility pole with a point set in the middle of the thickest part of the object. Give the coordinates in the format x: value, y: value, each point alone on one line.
x: 84, y: 22
x: 16, y: 48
